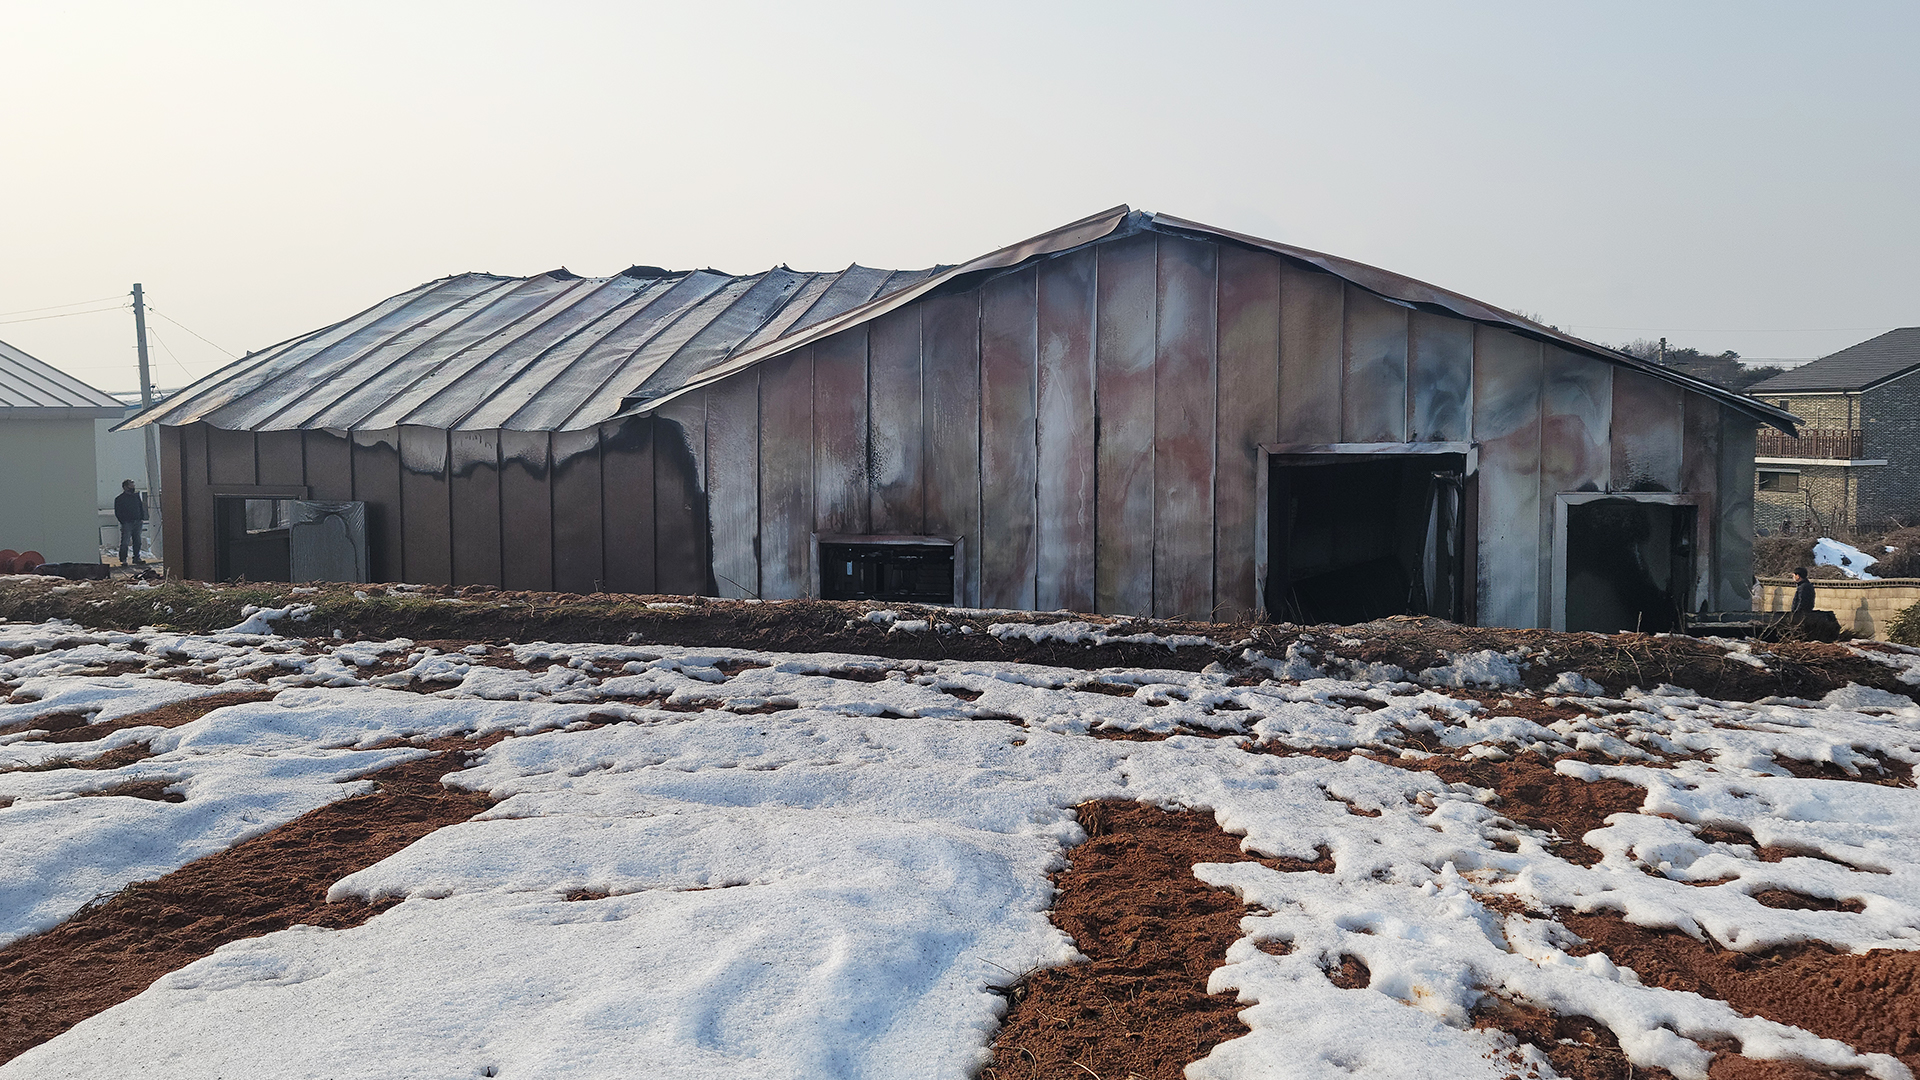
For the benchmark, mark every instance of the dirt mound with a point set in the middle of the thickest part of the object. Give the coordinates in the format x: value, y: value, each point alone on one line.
x: 117, y: 948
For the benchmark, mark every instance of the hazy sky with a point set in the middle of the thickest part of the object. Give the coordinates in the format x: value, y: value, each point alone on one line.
x: 1732, y: 175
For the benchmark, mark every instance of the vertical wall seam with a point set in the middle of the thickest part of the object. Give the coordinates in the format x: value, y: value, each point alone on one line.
x: 1213, y: 457
x: 1153, y: 446
x: 1033, y: 392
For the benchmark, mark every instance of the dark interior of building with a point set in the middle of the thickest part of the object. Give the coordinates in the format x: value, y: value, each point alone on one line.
x: 252, y: 539
x: 1354, y: 538
x: 908, y: 573
x: 1629, y: 565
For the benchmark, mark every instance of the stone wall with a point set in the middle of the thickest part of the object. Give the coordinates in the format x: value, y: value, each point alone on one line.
x: 1864, y: 607
x: 1890, y: 493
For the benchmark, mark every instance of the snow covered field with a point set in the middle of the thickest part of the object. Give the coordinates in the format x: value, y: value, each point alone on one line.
x: 708, y: 863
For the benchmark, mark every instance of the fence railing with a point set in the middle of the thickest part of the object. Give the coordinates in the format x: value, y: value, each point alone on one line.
x: 1839, y: 444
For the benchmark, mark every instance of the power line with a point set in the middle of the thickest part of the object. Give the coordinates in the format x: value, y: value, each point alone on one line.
x: 168, y: 349
x: 38, y: 318
x: 56, y: 307
x: 190, y: 330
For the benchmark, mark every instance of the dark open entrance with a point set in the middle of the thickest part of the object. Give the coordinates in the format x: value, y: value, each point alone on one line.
x: 908, y: 573
x: 1629, y: 565
x: 1358, y: 537
x: 250, y: 538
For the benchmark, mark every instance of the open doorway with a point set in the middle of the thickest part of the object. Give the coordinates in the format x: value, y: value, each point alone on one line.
x: 1357, y: 537
x: 1629, y: 564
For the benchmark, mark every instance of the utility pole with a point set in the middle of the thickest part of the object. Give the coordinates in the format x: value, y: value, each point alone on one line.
x: 136, y: 307
x: 146, y: 390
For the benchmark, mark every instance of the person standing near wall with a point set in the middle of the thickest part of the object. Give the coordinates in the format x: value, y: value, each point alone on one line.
x: 130, y: 509
x: 1802, y: 594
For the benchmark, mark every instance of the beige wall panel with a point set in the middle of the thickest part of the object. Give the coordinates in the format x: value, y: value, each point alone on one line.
x: 733, y: 482
x: 1123, y: 369
x: 1249, y: 403
x: 1066, y: 463
x: 950, y: 350
x: 1439, y: 378
x: 1183, y: 442
x: 1312, y: 355
x: 1576, y: 407
x: 1506, y: 421
x: 840, y: 432
x: 896, y: 441
x: 1649, y: 429
x: 1008, y: 419
x: 1373, y: 398
x: 47, y: 489
x: 786, y: 476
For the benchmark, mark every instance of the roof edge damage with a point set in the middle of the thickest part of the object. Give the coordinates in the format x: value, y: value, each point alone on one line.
x: 859, y: 298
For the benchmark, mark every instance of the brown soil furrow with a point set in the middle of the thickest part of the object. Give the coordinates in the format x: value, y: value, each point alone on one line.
x: 1153, y: 933
x: 111, y: 952
x: 167, y: 716
x: 1869, y: 1001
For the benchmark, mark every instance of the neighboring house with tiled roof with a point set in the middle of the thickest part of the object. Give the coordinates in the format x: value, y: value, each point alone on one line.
x: 1857, y: 460
x: 47, y: 458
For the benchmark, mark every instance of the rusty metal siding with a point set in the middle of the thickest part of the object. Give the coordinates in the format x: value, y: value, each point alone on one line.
x: 279, y: 458
x: 786, y: 476
x: 231, y: 457
x: 733, y: 482
x: 376, y: 482
x: 577, y: 503
x: 1123, y: 364
x: 840, y: 433
x: 1312, y: 355
x: 1009, y: 359
x: 1373, y: 394
x: 1064, y: 461
x: 473, y: 507
x: 950, y: 347
x: 1648, y: 432
x: 427, y: 543
x: 526, y: 510
x: 895, y: 435
x: 1184, y: 394
x: 626, y: 500
x: 1507, y: 372
x: 1439, y: 378
x: 1249, y: 407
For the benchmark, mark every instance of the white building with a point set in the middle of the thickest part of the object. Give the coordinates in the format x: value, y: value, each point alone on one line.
x: 47, y: 464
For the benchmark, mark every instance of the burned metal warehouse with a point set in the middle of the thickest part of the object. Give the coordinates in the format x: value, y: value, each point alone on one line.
x: 1132, y: 414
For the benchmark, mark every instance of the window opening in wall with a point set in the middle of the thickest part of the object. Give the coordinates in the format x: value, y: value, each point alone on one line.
x: 904, y: 572
x: 251, y: 538
x: 1778, y: 481
x: 1629, y: 565
x: 1352, y: 538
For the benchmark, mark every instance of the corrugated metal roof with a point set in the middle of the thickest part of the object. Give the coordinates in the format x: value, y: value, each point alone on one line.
x: 32, y: 387
x: 556, y: 352
x: 552, y: 352
x: 1855, y: 367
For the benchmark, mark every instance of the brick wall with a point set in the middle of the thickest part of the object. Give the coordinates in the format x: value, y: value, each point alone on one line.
x: 1864, y: 607
x: 1890, y: 493
x: 1833, y: 501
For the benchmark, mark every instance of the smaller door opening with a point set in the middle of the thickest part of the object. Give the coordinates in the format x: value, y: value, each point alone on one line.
x: 1629, y: 565
x: 908, y: 573
x: 251, y: 538
x: 1358, y: 537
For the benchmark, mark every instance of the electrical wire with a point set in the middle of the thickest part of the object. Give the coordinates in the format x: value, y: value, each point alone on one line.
x: 154, y: 332
x: 56, y: 307
x: 63, y: 315
x: 231, y: 355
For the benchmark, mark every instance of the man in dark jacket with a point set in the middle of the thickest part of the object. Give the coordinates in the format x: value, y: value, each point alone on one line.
x: 130, y: 509
x: 1802, y: 594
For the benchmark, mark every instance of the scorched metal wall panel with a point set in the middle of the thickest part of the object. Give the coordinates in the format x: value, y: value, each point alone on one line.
x: 1373, y: 398
x: 577, y: 529
x: 1123, y: 578
x: 1008, y: 417
x: 376, y: 482
x: 950, y: 346
x: 1183, y: 440
x: 427, y: 546
x: 1648, y: 433
x: 1439, y: 378
x: 733, y: 482
x: 473, y: 495
x: 526, y: 510
x: 1312, y: 354
x: 1506, y: 421
x: 896, y: 437
x: 1576, y: 405
x: 840, y: 432
x: 786, y: 476
x: 1249, y: 407
x: 626, y: 486
x: 680, y: 534
x: 1065, y: 468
